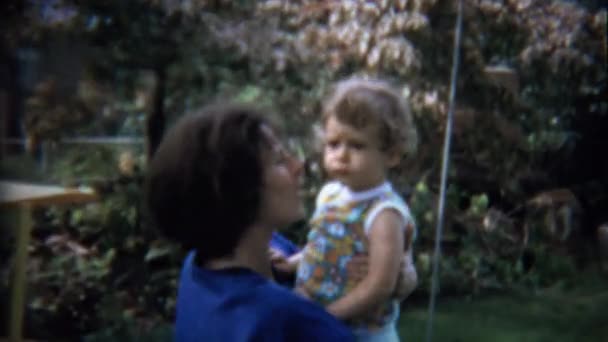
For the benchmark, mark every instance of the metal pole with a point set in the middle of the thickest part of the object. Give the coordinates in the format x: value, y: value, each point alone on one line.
x: 444, y: 174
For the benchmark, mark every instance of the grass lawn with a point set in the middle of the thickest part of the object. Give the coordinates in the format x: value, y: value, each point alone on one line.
x: 552, y: 315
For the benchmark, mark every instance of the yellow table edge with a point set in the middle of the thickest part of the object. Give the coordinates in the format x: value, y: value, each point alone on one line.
x: 25, y: 196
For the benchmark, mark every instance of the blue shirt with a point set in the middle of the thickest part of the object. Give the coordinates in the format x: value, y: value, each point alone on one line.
x: 288, y: 248
x: 281, y: 243
x: 238, y: 304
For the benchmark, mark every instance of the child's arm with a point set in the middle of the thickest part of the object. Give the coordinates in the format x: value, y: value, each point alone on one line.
x: 386, y: 241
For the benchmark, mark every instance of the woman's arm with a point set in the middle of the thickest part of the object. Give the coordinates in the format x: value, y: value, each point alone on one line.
x: 386, y: 240
x: 408, y: 277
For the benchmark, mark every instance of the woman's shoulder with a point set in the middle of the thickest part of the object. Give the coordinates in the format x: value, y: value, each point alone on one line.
x: 279, y: 299
x: 302, y: 319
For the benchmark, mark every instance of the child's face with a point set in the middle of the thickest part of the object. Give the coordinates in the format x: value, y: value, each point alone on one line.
x: 353, y: 156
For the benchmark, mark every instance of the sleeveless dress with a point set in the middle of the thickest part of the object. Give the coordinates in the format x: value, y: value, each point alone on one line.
x: 339, y: 230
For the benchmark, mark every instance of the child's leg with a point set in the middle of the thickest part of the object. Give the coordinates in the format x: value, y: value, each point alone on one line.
x: 387, y: 334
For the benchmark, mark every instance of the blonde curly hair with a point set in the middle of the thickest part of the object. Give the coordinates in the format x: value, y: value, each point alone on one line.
x: 362, y: 102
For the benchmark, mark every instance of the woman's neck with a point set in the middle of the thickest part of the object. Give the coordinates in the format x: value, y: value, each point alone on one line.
x: 251, y: 252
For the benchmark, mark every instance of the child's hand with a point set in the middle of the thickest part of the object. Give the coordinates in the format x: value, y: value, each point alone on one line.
x: 279, y: 261
x: 282, y: 263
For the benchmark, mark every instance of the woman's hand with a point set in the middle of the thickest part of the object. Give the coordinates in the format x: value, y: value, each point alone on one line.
x: 282, y: 263
x: 407, y: 280
x: 357, y: 267
x: 302, y: 292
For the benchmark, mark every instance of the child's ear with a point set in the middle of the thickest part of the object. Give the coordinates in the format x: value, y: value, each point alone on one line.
x: 393, y: 158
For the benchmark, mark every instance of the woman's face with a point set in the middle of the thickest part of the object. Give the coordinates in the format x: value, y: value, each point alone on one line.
x: 281, y: 203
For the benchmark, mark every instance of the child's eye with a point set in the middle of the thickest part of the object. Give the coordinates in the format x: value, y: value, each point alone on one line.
x: 357, y: 145
x: 332, y: 143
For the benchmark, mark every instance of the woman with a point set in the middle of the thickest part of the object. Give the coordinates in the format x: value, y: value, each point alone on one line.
x: 219, y: 184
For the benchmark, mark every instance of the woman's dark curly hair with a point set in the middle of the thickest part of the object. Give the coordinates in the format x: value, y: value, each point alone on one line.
x: 204, y: 183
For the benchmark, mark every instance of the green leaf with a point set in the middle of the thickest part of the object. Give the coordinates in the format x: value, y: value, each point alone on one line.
x: 157, y: 252
x: 249, y: 94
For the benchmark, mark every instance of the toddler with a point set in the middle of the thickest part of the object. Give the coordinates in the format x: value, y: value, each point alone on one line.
x: 367, y: 129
